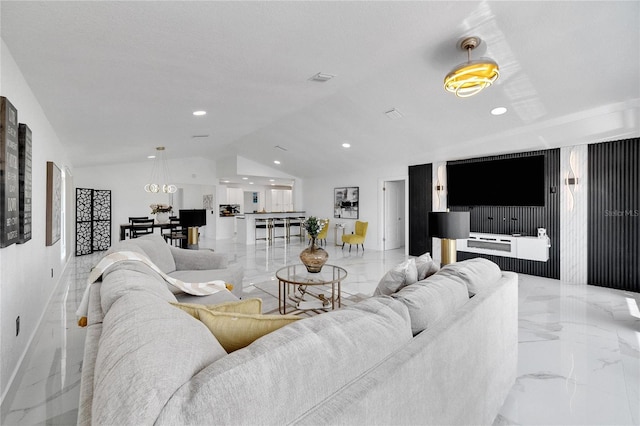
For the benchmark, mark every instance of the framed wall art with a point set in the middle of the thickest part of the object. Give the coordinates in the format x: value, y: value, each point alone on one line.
x: 9, y: 174
x: 25, y: 161
x: 345, y: 202
x: 54, y: 203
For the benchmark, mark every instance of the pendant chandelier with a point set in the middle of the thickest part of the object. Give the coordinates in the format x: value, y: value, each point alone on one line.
x: 469, y: 78
x: 159, y: 181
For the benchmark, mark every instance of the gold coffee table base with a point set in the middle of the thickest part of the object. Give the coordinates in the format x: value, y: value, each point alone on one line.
x: 302, y: 288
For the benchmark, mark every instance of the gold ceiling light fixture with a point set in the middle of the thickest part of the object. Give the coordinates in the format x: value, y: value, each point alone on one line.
x: 469, y: 78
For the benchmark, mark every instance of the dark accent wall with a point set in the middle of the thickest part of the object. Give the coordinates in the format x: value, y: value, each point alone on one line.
x: 614, y: 215
x: 523, y: 220
x: 420, y: 202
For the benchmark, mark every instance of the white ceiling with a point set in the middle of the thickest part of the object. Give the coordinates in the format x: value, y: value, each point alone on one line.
x: 117, y: 79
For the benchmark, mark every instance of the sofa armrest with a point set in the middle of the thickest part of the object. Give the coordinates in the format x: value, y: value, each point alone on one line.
x: 189, y: 260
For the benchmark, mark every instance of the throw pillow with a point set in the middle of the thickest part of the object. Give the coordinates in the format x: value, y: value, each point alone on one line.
x: 431, y: 300
x: 235, y: 331
x: 477, y: 273
x: 426, y: 266
x: 400, y: 276
x: 244, y: 306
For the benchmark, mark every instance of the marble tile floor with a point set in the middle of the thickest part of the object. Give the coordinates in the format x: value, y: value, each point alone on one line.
x: 579, y: 351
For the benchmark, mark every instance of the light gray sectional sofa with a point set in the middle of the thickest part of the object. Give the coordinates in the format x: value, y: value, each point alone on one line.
x: 426, y: 354
x: 185, y: 265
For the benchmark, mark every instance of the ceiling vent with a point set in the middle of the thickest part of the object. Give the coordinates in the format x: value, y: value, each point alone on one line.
x: 393, y: 114
x: 281, y: 148
x: 321, y: 77
x: 199, y: 136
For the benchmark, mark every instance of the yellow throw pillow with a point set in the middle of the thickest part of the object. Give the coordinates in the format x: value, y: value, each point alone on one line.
x: 245, y: 306
x: 234, y: 330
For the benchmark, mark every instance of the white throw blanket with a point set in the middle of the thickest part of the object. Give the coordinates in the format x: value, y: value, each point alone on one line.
x: 196, y: 289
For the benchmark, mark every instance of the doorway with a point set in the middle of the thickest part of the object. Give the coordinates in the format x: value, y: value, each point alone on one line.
x: 394, y: 213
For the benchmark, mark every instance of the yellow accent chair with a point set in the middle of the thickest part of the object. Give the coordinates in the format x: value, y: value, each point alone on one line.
x: 322, y: 235
x: 357, y: 237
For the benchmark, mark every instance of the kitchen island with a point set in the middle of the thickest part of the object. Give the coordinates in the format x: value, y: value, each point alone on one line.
x: 246, y: 223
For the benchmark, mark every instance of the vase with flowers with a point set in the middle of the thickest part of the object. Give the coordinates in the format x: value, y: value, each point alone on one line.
x: 314, y: 257
x: 161, y: 211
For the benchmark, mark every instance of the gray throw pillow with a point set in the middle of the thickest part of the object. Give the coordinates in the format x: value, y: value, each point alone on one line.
x: 430, y: 300
x: 476, y: 273
x: 426, y: 266
x: 399, y: 276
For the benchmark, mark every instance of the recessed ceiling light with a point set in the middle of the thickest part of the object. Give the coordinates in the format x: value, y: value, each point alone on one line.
x: 250, y: 183
x: 225, y: 181
x: 245, y: 178
x: 346, y: 145
x: 276, y: 162
x: 151, y: 157
x: 200, y: 112
x: 498, y: 111
x: 272, y: 180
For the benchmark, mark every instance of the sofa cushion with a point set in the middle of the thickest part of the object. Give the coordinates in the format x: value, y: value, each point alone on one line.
x: 397, y: 277
x: 148, y: 350
x: 426, y: 266
x: 130, y: 276
x: 476, y: 273
x: 210, y: 299
x: 430, y: 300
x: 233, y: 330
x: 198, y: 259
x: 157, y: 250
x: 302, y: 363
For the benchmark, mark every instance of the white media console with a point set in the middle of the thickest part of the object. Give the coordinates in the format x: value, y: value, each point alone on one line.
x: 530, y: 248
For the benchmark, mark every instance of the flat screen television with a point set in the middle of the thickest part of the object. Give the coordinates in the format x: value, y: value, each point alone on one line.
x: 516, y: 181
x: 194, y: 217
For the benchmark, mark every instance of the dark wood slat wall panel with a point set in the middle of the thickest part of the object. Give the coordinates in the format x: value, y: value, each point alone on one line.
x: 614, y: 215
x: 524, y: 220
x: 420, y: 202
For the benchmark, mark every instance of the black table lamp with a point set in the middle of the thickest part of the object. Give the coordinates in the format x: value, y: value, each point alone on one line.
x: 448, y: 226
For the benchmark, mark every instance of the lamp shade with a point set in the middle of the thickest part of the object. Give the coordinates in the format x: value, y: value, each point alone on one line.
x: 449, y: 225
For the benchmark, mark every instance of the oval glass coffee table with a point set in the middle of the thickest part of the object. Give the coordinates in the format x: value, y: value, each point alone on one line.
x: 300, y: 290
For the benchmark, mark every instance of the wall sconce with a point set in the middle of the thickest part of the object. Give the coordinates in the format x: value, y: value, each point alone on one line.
x: 571, y: 180
x: 439, y: 186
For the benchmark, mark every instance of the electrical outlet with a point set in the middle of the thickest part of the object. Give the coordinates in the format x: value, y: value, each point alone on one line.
x: 17, y: 325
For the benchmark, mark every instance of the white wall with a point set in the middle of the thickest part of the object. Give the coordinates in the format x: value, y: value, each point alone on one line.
x: 196, y: 177
x: 573, y: 214
x: 26, y: 281
x: 318, y: 200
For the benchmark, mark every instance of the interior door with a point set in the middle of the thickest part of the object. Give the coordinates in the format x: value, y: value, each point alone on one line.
x: 394, y: 215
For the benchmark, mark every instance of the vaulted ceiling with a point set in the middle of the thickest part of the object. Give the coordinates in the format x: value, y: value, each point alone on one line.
x: 117, y: 79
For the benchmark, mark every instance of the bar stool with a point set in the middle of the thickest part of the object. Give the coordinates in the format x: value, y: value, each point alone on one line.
x: 293, y: 222
x: 267, y: 225
x: 279, y: 223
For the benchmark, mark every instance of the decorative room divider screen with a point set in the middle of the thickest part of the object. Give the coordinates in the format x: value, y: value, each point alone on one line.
x: 93, y: 220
